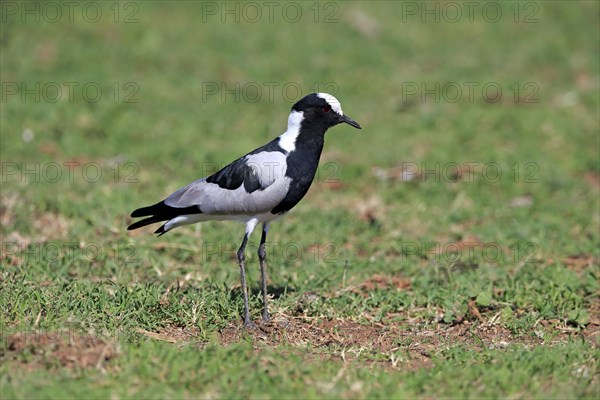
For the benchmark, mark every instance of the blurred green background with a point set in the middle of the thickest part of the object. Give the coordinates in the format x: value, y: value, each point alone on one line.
x: 480, y: 128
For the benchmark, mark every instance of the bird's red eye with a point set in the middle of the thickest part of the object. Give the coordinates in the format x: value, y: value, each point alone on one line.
x: 326, y: 108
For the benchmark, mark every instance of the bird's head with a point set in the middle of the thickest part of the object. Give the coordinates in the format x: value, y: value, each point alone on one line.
x: 322, y: 110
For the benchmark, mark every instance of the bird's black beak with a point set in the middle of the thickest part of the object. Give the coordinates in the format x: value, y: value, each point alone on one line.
x: 350, y: 121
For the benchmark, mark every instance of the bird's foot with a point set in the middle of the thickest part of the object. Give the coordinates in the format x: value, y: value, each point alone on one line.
x: 255, y: 330
x: 249, y: 325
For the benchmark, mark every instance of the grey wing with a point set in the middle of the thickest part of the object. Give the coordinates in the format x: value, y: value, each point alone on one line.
x: 255, y: 183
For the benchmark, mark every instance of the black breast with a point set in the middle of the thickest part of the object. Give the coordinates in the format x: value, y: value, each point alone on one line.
x: 302, y: 165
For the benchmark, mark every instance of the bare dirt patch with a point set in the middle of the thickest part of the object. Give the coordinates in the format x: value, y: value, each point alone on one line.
x: 333, y: 339
x: 592, y: 178
x: 43, y: 350
x: 412, y: 343
x: 381, y: 281
x: 581, y: 262
x: 391, y: 345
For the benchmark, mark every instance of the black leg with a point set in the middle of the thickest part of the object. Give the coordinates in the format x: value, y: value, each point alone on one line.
x: 262, y: 255
x: 241, y: 258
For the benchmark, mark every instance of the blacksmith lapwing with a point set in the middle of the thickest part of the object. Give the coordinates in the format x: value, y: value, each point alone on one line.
x: 257, y: 188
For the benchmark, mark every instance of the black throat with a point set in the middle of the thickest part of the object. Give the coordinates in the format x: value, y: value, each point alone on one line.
x: 302, y: 163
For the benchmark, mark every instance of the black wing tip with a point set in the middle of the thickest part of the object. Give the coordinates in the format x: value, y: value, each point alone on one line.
x: 159, y: 212
x: 139, y: 224
x: 139, y: 212
x: 146, y: 211
x: 144, y: 222
x: 154, y: 213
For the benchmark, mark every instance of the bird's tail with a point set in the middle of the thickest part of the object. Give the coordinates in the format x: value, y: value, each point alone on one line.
x: 157, y: 213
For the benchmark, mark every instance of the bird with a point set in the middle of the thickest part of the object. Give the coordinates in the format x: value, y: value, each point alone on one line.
x: 257, y: 188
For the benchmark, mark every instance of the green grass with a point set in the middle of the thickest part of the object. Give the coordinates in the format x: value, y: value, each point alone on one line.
x: 148, y: 369
x: 515, y: 313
